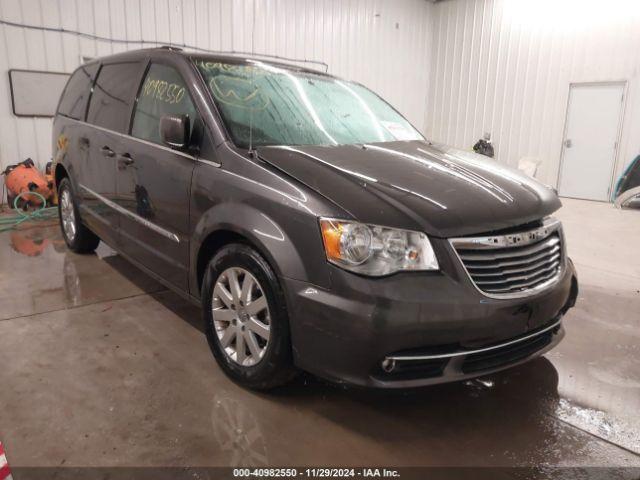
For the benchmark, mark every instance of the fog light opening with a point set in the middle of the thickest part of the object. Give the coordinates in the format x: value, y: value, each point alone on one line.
x: 388, y: 365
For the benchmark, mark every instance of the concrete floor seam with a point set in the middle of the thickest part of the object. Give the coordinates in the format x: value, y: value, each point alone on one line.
x: 74, y: 307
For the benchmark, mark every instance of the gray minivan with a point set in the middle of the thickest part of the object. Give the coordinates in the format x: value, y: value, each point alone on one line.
x: 317, y: 228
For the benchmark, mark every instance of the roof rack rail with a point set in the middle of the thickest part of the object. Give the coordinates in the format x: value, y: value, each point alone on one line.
x: 170, y: 47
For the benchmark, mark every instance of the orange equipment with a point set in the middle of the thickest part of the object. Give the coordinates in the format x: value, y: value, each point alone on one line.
x: 25, y: 177
x: 50, y: 181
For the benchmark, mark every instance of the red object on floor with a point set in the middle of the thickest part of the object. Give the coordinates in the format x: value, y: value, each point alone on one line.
x: 5, y: 473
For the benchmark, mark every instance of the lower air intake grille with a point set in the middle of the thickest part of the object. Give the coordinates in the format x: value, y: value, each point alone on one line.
x: 515, y: 263
x: 503, y: 356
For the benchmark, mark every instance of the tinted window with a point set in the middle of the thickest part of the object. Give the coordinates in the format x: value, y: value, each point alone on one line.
x: 272, y: 105
x: 163, y: 92
x: 113, y: 94
x: 76, y: 94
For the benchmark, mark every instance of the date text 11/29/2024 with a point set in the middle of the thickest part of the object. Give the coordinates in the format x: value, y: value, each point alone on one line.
x: 315, y: 473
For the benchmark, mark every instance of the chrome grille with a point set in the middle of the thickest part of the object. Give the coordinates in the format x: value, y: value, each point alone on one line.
x: 513, y: 264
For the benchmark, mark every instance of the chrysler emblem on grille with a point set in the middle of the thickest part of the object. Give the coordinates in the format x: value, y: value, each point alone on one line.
x: 526, y: 237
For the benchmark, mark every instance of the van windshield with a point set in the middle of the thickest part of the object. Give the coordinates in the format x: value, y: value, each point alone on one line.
x: 285, y: 107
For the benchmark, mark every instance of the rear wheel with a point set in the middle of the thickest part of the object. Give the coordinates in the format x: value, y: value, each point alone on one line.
x: 77, y: 237
x: 246, y: 318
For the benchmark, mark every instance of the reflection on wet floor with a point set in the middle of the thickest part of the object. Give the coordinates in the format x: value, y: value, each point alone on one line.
x: 118, y: 370
x: 40, y: 274
x: 238, y: 433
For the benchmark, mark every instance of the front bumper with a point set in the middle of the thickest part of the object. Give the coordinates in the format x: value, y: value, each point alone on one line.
x: 415, y: 329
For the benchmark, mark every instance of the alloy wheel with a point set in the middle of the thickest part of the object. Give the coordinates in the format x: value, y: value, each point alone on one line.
x: 68, y: 215
x: 241, y: 316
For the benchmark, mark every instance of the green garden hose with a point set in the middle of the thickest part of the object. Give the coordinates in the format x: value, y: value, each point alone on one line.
x: 12, y: 221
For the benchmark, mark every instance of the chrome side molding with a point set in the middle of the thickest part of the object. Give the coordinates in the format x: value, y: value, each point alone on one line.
x: 137, y: 218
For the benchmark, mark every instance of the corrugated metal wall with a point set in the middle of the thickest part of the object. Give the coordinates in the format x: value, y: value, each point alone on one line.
x: 505, y: 66
x: 381, y: 43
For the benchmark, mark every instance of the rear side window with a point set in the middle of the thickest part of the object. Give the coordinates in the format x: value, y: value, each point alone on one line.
x: 76, y: 94
x: 113, y: 95
x: 163, y: 92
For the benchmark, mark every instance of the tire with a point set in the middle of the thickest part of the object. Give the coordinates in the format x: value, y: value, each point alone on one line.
x: 76, y: 235
x: 224, y: 325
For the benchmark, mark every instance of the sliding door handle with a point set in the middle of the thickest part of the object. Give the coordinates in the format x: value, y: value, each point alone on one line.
x: 107, y: 152
x: 125, y: 160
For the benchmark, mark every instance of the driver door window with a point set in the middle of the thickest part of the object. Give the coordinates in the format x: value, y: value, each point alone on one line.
x: 163, y: 92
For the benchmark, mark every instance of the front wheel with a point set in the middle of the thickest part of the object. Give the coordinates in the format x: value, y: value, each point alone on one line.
x: 78, y: 238
x: 246, y: 318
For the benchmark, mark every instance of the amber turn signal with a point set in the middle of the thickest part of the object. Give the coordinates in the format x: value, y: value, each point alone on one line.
x: 331, y: 233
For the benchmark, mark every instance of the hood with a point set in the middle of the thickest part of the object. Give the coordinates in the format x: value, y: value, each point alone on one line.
x: 417, y: 185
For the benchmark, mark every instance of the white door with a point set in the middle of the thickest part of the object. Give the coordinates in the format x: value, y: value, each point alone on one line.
x: 590, y: 142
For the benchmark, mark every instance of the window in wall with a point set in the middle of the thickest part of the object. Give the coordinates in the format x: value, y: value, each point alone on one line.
x: 163, y: 92
x: 113, y: 94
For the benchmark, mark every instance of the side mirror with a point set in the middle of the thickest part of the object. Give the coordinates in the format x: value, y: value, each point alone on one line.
x: 174, y: 130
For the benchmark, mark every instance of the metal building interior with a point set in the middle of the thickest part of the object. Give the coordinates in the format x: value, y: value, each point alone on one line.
x: 104, y: 367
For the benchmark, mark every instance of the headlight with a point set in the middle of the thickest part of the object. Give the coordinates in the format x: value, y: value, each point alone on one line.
x: 374, y: 250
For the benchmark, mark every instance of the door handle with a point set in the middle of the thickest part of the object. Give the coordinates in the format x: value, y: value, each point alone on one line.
x: 107, y: 152
x: 125, y: 160
x: 568, y: 143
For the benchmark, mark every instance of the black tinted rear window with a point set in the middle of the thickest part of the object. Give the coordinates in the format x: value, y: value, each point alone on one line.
x: 113, y: 94
x: 76, y: 94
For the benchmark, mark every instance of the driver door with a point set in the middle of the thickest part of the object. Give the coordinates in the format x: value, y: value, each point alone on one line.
x: 153, y: 180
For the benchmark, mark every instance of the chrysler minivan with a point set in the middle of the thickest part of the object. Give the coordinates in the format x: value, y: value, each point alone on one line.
x: 316, y: 227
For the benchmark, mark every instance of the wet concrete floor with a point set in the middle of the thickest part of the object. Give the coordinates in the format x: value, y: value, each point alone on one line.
x: 102, y: 366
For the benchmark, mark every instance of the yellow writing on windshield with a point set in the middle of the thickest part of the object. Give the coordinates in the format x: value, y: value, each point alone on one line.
x: 238, y: 92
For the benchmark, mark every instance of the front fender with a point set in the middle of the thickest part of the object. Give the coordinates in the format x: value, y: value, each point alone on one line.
x: 278, y: 241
